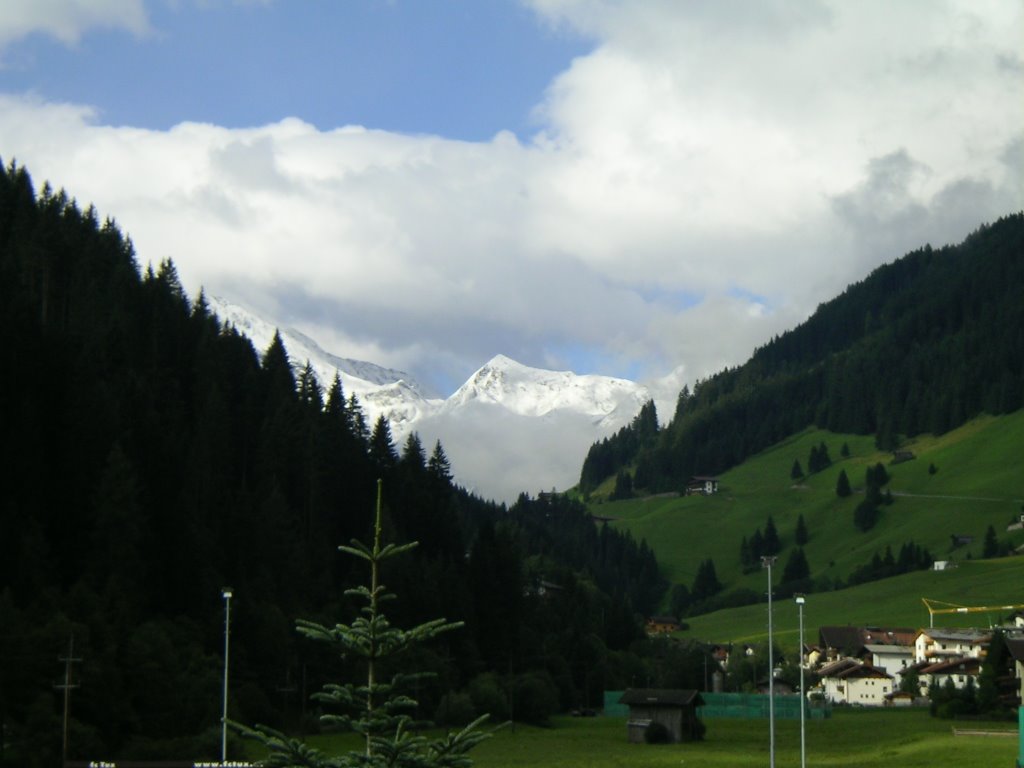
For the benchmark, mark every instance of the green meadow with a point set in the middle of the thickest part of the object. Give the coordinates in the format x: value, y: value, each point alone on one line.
x: 889, y: 602
x: 978, y: 481
x: 862, y: 738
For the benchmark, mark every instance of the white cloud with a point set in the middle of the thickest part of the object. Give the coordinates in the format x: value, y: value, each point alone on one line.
x: 753, y: 157
x: 69, y: 20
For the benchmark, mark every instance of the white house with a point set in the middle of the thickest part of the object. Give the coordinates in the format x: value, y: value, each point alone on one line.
x: 958, y: 671
x: 1016, y: 648
x: 893, y: 659
x: 700, y: 484
x: 936, y: 644
x: 849, y: 681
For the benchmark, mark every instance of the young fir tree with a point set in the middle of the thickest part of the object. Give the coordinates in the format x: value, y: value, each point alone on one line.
x: 772, y: 545
x: 376, y: 709
x: 843, y: 485
x: 801, y: 536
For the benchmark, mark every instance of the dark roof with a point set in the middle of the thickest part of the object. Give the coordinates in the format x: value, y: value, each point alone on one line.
x: 964, y: 665
x: 845, y: 668
x: 853, y: 639
x: 846, y: 638
x: 661, y: 697
x: 1015, y: 645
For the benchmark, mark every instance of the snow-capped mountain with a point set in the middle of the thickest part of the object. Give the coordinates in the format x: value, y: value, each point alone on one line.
x: 395, y: 394
x: 509, y: 428
x: 537, y: 392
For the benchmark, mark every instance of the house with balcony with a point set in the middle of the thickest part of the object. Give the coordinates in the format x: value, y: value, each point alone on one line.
x: 935, y: 644
x: 851, y: 681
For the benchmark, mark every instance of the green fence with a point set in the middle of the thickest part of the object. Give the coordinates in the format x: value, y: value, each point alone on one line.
x: 742, y: 706
x: 612, y: 708
x: 753, y: 706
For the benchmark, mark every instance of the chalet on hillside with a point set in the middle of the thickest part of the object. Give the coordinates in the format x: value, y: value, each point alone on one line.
x: 700, y: 485
x: 542, y: 588
x: 674, y: 708
x: 898, y: 457
x: 658, y: 625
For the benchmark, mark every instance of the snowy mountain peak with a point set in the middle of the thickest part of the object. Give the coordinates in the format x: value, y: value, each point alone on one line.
x: 537, y: 392
x: 509, y: 428
x: 381, y: 391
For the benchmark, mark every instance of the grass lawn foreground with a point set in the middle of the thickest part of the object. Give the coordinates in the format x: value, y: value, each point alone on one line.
x: 864, y: 738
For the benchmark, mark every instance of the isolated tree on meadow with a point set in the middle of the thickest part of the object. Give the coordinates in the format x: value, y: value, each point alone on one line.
x: 843, y: 485
x: 705, y: 583
x: 796, y: 568
x: 771, y: 545
x: 800, y: 536
x: 991, y: 546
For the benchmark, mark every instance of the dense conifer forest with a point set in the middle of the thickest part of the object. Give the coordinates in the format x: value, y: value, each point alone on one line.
x: 921, y: 345
x: 150, y: 457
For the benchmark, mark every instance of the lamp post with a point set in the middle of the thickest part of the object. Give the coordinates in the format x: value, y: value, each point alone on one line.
x: 803, y: 693
x: 226, y: 593
x: 766, y: 562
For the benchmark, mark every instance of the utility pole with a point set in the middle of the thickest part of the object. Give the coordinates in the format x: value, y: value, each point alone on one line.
x: 226, y: 594
x: 767, y: 562
x: 66, y: 686
x: 803, y: 694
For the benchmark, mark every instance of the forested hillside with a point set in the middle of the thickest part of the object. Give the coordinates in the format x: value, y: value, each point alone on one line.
x: 921, y: 345
x: 150, y: 456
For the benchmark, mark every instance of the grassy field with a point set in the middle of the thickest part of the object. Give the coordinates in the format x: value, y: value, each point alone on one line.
x: 890, y: 602
x: 862, y: 738
x: 978, y: 483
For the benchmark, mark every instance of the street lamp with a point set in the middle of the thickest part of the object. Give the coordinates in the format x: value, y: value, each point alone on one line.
x: 766, y: 562
x: 803, y: 693
x: 226, y: 593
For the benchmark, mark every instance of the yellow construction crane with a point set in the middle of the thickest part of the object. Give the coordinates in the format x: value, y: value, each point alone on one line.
x: 954, y: 608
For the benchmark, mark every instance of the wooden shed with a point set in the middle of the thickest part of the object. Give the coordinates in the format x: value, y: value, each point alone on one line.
x: 674, y: 708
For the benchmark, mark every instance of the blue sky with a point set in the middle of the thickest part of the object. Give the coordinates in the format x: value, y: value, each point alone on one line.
x: 643, y: 188
x: 460, y: 69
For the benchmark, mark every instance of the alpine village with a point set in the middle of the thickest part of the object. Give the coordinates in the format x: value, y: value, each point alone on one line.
x: 819, y: 553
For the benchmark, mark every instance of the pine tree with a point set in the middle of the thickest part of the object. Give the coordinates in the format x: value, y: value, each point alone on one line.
x: 623, y: 486
x: 796, y: 472
x: 378, y: 710
x: 843, y: 485
x: 438, y: 465
x: 705, y: 583
x: 991, y: 546
x: 800, y: 536
x: 382, y: 449
x: 796, y: 568
x: 772, y: 545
